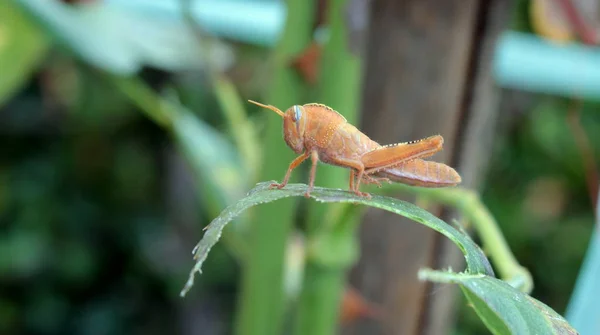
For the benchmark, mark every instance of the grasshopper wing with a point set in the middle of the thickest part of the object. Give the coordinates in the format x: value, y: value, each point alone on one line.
x: 394, y: 154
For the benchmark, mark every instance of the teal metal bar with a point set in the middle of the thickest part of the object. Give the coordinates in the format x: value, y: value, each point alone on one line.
x: 254, y: 22
x: 529, y: 63
x: 583, y: 312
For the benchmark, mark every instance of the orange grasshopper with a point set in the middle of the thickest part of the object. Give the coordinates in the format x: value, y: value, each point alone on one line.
x: 319, y: 132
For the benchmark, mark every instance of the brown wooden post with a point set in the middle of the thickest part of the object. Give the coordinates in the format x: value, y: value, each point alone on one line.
x: 427, y: 72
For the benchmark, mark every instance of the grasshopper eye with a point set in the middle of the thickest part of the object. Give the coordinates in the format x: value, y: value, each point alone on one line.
x: 297, y: 113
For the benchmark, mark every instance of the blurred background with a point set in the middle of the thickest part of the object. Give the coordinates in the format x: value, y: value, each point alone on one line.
x: 125, y: 130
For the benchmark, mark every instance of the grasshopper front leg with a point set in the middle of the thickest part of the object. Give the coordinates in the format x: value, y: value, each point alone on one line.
x: 297, y: 161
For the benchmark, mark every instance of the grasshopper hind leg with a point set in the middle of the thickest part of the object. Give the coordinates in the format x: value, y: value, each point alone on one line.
x: 356, y: 174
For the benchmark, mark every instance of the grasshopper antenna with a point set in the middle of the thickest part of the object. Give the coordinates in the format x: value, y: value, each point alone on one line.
x: 273, y: 108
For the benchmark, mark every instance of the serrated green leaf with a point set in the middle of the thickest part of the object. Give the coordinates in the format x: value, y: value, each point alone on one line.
x: 475, y: 259
x: 22, y: 46
x: 504, y: 309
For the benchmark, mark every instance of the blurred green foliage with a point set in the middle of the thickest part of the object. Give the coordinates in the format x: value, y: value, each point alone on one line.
x: 73, y: 214
x: 537, y: 190
x: 537, y: 187
x: 90, y: 241
x: 87, y: 243
x: 21, y: 45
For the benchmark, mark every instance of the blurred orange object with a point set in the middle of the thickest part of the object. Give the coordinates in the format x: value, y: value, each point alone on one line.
x: 354, y: 307
x: 549, y: 21
x: 307, y: 63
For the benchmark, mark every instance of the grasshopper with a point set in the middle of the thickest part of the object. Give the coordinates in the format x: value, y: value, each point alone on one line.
x: 319, y: 132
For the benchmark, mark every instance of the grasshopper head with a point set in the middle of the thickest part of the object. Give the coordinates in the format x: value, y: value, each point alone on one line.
x: 294, y: 125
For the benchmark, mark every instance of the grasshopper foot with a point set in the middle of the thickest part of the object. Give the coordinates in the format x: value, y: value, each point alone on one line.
x: 363, y: 194
x: 307, y: 193
x: 277, y: 186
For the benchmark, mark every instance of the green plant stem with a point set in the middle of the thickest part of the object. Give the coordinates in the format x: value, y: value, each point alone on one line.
x: 321, y: 284
x: 339, y: 88
x: 340, y: 69
x: 324, y: 282
x: 261, y: 300
x: 261, y: 304
x: 470, y: 205
x: 330, y: 253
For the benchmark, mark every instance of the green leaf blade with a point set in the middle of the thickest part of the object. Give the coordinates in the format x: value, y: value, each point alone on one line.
x: 476, y: 260
x: 504, y: 309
